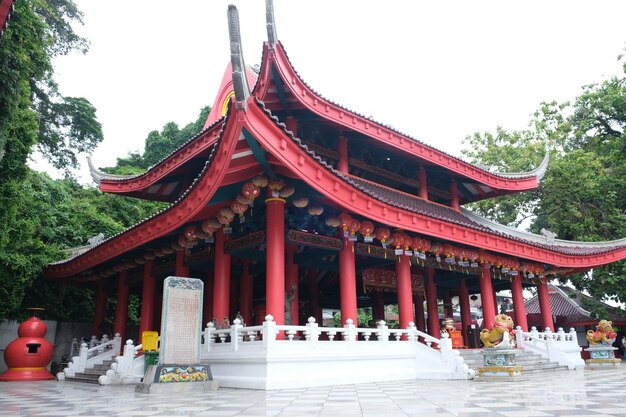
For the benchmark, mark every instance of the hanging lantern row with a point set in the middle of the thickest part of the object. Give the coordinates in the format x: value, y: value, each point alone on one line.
x: 417, y: 247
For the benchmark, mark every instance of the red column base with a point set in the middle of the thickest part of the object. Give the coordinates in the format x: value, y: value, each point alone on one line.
x: 26, y: 374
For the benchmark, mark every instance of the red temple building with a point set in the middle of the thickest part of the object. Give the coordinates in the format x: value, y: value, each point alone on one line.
x: 286, y: 195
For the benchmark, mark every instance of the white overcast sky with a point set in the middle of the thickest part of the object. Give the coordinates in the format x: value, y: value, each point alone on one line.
x: 436, y: 70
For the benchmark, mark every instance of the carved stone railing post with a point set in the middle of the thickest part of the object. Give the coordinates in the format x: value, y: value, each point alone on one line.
x: 350, y: 334
x: 82, y: 357
x: 573, y: 336
x: 209, y: 336
x: 269, y: 332
x: 235, y: 331
x: 117, y: 343
x: 93, y: 342
x: 312, y: 333
x: 105, y: 339
x: 383, y: 332
x: 519, y: 337
x: 411, y: 332
x: 560, y: 335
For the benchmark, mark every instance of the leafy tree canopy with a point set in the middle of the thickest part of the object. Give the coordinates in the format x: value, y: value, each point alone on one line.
x: 583, y: 195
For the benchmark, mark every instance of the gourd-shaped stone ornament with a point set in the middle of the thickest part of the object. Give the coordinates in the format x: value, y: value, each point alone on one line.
x: 28, y: 356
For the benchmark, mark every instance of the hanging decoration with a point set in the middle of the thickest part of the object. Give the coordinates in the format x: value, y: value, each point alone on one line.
x: 353, y: 227
x: 259, y: 181
x: 239, y: 209
x: 250, y: 190
x: 366, y: 230
x: 286, y: 192
x: 332, y: 221
x: 209, y: 227
x: 301, y: 202
x: 344, y: 223
x: 225, y: 216
x: 382, y: 234
x: 275, y: 186
x: 397, y: 239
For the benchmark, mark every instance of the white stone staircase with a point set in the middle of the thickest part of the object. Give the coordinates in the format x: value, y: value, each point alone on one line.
x: 91, y: 375
x: 531, y: 362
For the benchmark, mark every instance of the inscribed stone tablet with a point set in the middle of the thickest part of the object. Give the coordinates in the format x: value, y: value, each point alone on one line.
x: 181, y: 321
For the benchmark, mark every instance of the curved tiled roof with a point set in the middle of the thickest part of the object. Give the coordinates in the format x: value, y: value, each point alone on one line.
x: 99, y: 175
x: 537, y: 172
x: 463, y: 218
x: 160, y: 212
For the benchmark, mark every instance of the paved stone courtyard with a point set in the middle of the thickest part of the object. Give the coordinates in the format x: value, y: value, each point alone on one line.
x: 577, y: 393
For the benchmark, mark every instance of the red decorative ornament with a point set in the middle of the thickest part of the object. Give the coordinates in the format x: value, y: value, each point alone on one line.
x: 225, y: 215
x: 238, y: 208
x: 260, y: 181
x: 191, y: 233
x: 251, y: 190
x: 366, y: 228
x: 168, y: 250
x: 398, y: 239
x: 210, y: 226
x: 354, y: 226
x: 148, y: 256
x: 382, y: 234
x: 301, y: 202
x: 344, y: 221
x: 28, y: 356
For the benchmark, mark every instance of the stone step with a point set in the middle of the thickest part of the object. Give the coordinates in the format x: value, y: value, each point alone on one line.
x: 85, y: 375
x: 81, y: 380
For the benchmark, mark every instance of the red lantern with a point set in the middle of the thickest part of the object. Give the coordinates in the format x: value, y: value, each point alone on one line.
x: 354, y: 226
x: 344, y: 221
x: 366, y: 228
x: 209, y: 226
x: 398, y: 239
x: 225, y: 216
x: 191, y: 233
x: 238, y: 208
x: 382, y: 234
x: 244, y: 200
x: 251, y: 190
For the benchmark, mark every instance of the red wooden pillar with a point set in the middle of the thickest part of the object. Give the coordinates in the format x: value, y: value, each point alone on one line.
x: 486, y: 296
x: 342, y: 149
x: 101, y: 308
x: 275, y: 259
x: 291, y: 283
x: 431, y: 304
x: 314, y: 296
x: 544, y: 305
x: 121, y: 310
x: 221, y: 277
x: 421, y: 177
x: 181, y: 270
x: 466, y: 315
x: 420, y: 323
x: 246, y: 293
x: 147, y: 299
x: 207, y: 308
x: 447, y: 305
x: 518, y: 303
x: 405, y: 295
x: 378, y: 306
x: 347, y: 282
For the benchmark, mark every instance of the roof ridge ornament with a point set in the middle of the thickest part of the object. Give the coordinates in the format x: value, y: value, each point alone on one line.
x: 240, y: 83
x: 272, y: 38
x: 98, y: 175
x: 539, y: 171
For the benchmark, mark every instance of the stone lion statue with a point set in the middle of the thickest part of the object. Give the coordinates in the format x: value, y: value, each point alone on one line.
x: 604, y: 334
x: 503, y: 324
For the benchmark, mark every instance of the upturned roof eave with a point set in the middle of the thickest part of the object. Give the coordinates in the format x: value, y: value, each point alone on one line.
x: 328, y: 109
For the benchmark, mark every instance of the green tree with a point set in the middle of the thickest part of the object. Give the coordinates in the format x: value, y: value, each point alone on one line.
x: 33, y: 113
x: 583, y: 195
